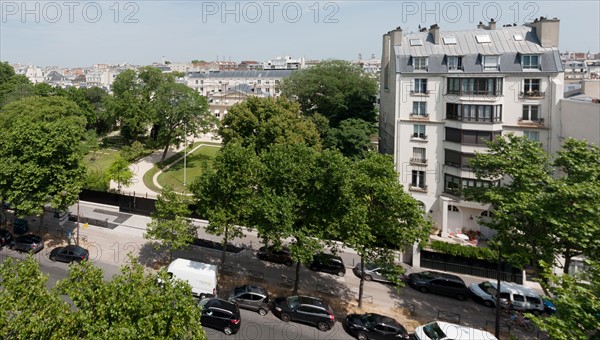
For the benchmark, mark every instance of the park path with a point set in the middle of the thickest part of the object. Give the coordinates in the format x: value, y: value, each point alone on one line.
x: 137, y: 187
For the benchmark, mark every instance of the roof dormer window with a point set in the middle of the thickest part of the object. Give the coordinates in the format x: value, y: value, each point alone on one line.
x: 530, y: 61
x: 491, y: 62
x: 454, y: 62
x: 449, y: 40
x: 481, y: 39
x: 416, y: 42
x: 420, y: 63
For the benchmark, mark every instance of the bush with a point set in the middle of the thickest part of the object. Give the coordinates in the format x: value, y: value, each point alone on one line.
x: 463, y: 251
x: 96, y: 180
x: 134, y: 152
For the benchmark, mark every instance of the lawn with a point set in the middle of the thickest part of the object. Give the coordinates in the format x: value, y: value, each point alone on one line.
x: 100, y: 160
x: 196, y: 162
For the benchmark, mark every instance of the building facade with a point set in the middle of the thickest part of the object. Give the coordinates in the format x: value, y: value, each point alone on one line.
x: 444, y: 94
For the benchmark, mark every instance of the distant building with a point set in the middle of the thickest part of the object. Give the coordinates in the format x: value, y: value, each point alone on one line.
x: 284, y: 63
x: 249, y: 65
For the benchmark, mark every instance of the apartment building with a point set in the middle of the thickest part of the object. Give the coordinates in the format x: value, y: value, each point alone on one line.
x: 444, y: 94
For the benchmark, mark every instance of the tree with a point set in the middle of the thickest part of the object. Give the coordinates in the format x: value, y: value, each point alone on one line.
x: 133, y: 305
x: 224, y: 192
x: 265, y: 121
x: 6, y: 72
x: 170, y: 223
x: 577, y: 301
x: 337, y: 89
x: 179, y: 110
x: 352, y: 138
x: 381, y: 218
x: 41, y: 153
x: 296, y: 198
x: 15, y: 88
x: 119, y: 172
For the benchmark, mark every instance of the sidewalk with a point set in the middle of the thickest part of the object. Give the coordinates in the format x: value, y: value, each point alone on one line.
x: 145, y: 164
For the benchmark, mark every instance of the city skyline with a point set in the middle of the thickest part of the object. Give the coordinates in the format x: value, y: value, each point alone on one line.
x: 80, y: 34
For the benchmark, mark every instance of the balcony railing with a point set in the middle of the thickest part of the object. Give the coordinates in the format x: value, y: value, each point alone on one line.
x: 419, y: 93
x: 421, y: 116
x: 475, y: 93
x: 417, y: 188
x: 418, y: 137
x: 536, y: 122
x: 418, y: 161
x: 474, y: 119
x: 531, y: 94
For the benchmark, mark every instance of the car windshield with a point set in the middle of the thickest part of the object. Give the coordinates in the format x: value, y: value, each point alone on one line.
x: 292, y: 301
x: 371, y: 266
x: 78, y: 251
x: 433, y: 331
x: 488, y: 288
x: 368, y: 320
x: 239, y: 290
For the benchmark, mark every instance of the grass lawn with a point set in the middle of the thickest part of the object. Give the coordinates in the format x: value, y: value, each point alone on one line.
x: 100, y: 160
x: 196, y: 161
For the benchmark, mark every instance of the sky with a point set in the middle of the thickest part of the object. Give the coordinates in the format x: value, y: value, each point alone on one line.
x: 82, y: 33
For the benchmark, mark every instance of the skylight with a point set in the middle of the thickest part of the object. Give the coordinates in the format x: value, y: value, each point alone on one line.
x: 416, y: 42
x: 449, y: 40
x: 518, y: 37
x: 483, y: 39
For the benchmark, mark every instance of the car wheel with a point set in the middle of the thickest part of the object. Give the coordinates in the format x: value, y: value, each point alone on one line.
x: 362, y: 336
x: 227, y: 330
x: 285, y: 317
x: 423, y: 290
x: 368, y: 277
x: 288, y: 263
x: 341, y: 273
x: 262, y: 312
x: 461, y: 297
x: 322, y: 326
x: 488, y: 303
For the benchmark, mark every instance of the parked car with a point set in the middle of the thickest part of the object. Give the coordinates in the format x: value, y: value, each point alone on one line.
x: 202, y: 277
x: 30, y: 243
x: 21, y: 226
x: 328, y: 263
x: 549, y: 307
x: 251, y: 297
x: 373, y: 272
x: 439, y: 283
x: 6, y: 238
x: 375, y: 327
x: 69, y: 254
x: 444, y: 330
x: 272, y: 254
x: 220, y: 314
x: 520, y: 297
x: 305, y: 309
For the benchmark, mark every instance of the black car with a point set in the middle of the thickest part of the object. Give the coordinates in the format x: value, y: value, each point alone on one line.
x: 305, y: 309
x: 251, y: 297
x: 6, y: 237
x: 374, y: 326
x: 328, y: 263
x: 30, y: 243
x: 69, y: 254
x: 272, y: 254
x: 220, y: 314
x: 439, y: 283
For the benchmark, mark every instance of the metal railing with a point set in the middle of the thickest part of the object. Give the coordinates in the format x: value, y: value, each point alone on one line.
x: 470, y: 270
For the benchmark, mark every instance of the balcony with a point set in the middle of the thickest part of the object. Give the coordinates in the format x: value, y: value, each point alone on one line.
x: 419, y: 93
x: 418, y: 161
x: 418, y: 116
x: 532, y: 95
x: 417, y: 188
x: 450, y: 116
x: 418, y: 137
x: 534, y: 122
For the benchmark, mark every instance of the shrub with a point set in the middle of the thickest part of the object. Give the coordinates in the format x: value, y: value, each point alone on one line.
x: 96, y: 180
x: 134, y: 152
x: 463, y: 251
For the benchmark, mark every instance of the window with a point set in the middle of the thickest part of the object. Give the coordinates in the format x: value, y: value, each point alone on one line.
x: 449, y: 40
x: 477, y: 86
x: 490, y: 62
x: 479, y: 113
x: 454, y: 184
x: 453, y: 135
x: 420, y: 86
x: 519, y: 298
x: 483, y: 39
x: 416, y: 42
x: 419, y: 131
x: 419, y: 154
x: 420, y: 63
x: 531, y: 112
x: 487, y: 213
x: 533, y: 135
x: 531, y: 85
x: 529, y: 62
x: 419, y: 108
x: 453, y: 208
x: 452, y: 158
x: 418, y: 179
x: 454, y: 63
x: 518, y: 37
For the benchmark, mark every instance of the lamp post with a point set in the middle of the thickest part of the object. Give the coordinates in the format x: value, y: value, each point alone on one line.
x: 497, y: 326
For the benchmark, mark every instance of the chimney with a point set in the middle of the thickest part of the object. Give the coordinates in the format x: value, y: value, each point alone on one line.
x: 434, y: 30
x: 492, y: 25
x: 546, y: 31
x: 396, y: 36
x: 480, y: 25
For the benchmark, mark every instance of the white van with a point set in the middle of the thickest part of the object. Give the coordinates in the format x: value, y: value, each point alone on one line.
x: 201, y: 276
x: 522, y: 298
x: 444, y: 330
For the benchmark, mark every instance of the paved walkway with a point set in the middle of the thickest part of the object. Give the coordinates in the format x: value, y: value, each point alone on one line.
x: 137, y: 187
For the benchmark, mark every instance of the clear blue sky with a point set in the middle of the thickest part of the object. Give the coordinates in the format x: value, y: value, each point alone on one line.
x: 81, y: 33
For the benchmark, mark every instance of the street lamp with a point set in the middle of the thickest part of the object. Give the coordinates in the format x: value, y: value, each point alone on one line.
x: 497, y: 326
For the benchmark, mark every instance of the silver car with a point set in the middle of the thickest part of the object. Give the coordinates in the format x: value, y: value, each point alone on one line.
x: 29, y: 243
x: 373, y: 272
x: 251, y: 297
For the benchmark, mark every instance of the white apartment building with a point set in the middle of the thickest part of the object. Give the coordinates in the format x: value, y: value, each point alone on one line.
x: 261, y: 81
x: 443, y: 94
x: 284, y: 63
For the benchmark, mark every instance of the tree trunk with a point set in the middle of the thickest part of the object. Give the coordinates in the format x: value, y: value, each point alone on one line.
x: 164, y: 155
x: 362, y: 282
x: 297, y: 281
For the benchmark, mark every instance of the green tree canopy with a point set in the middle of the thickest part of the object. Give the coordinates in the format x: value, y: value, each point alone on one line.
x: 265, y: 121
x: 41, y: 153
x: 119, y: 172
x: 337, y: 89
x: 352, y: 138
